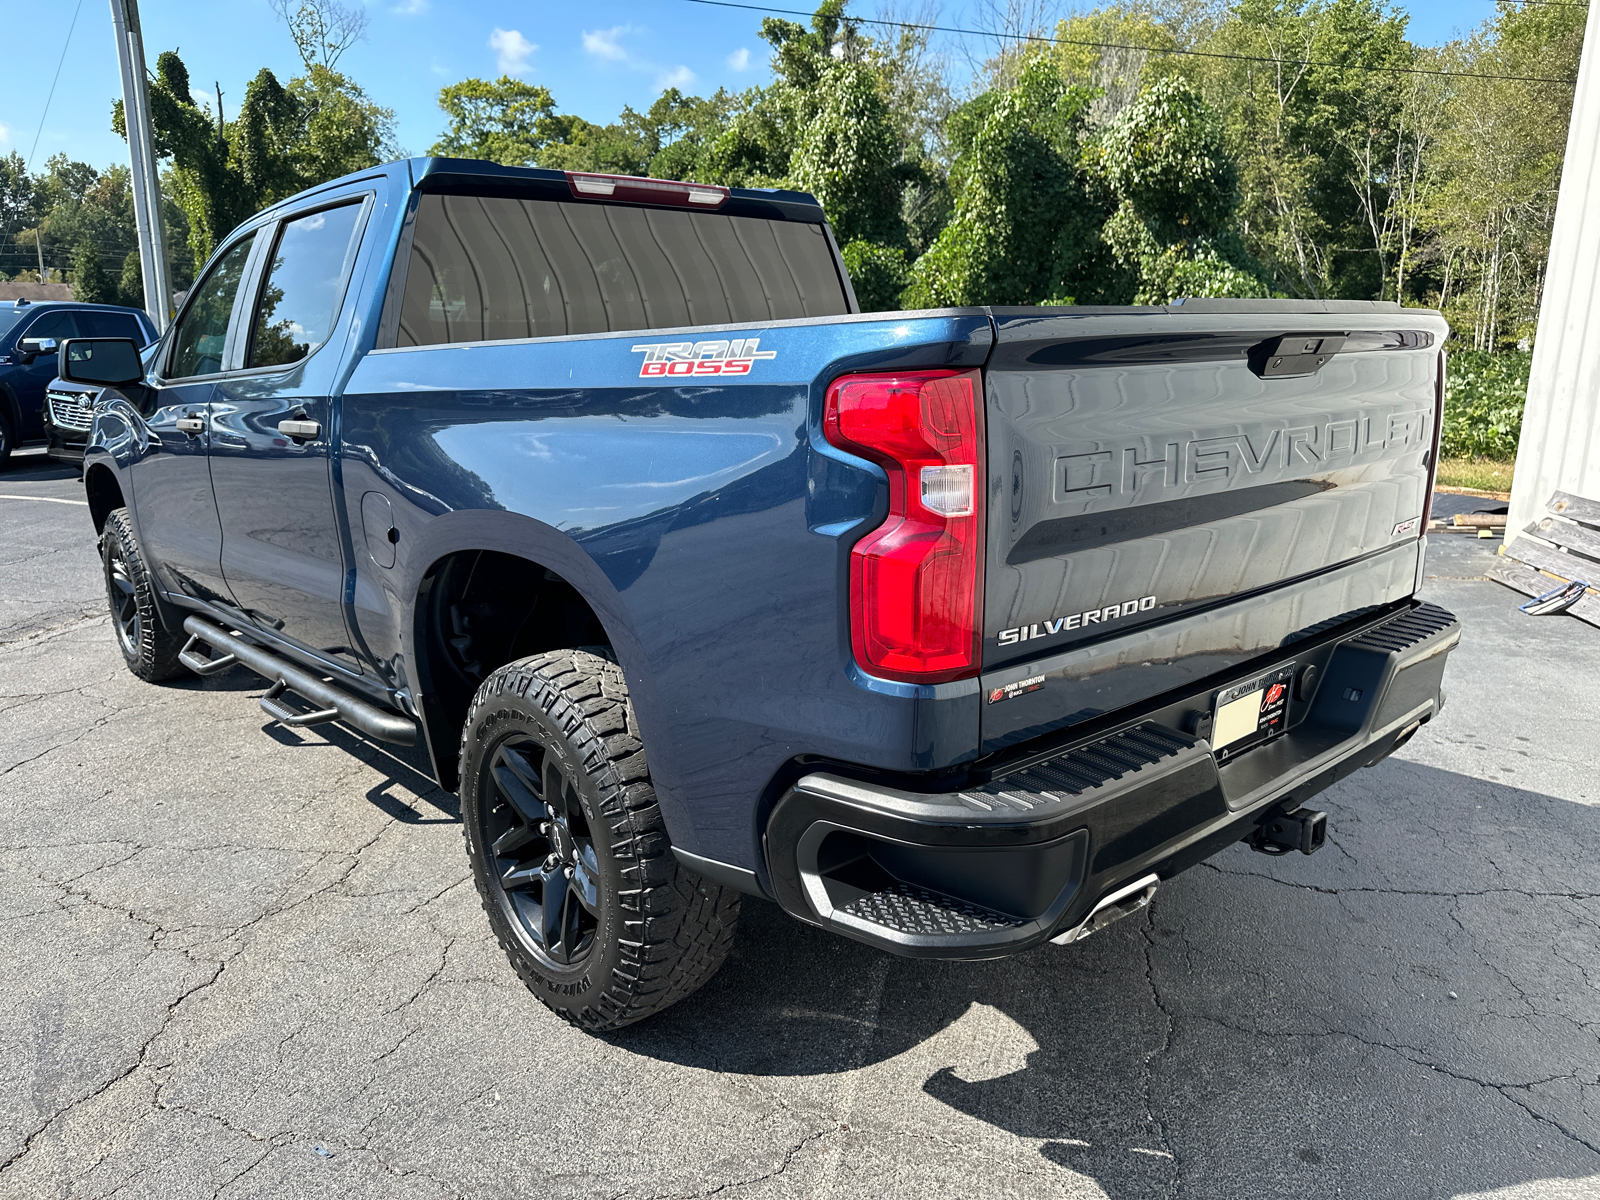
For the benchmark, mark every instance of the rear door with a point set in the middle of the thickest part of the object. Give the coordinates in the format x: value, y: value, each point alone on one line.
x: 1151, y: 465
x: 272, y: 424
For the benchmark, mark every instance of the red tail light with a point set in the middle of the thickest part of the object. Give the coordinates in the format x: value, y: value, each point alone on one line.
x: 916, y: 582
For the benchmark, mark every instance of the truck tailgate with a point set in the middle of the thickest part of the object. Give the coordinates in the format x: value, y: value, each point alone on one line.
x: 1148, y: 466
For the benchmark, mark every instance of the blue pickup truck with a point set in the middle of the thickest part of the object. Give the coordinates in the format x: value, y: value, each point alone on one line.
x: 955, y: 632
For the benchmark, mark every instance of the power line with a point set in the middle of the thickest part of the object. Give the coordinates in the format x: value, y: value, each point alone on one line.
x: 1060, y: 41
x: 55, y: 80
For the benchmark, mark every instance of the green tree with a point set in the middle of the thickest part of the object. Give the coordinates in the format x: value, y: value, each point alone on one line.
x: 1026, y: 227
x: 1498, y: 157
x: 1173, y: 231
x: 1312, y: 133
x: 341, y: 129
x: 130, y: 285
x: 849, y: 156
x: 91, y: 283
x: 282, y: 140
x: 879, y: 274
x: 503, y: 120
x: 76, y: 206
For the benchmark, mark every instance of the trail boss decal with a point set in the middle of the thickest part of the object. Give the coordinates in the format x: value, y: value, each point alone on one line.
x: 1095, y: 616
x: 721, y: 357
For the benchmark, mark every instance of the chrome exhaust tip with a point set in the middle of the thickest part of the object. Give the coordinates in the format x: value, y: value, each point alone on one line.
x: 1123, y: 902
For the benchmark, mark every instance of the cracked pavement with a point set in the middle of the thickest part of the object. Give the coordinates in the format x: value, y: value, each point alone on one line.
x: 243, y: 961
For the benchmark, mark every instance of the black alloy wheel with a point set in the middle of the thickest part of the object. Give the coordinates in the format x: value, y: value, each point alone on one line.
x: 149, y: 650
x: 123, y: 599
x: 548, y: 874
x: 569, y: 849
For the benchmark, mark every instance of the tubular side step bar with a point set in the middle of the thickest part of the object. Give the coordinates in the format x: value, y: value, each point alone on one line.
x: 334, y: 703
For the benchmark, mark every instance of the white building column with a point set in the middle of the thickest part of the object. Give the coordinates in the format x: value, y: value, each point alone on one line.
x: 1560, y: 447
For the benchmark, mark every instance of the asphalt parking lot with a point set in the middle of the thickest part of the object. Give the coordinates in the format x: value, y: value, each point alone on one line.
x: 242, y: 961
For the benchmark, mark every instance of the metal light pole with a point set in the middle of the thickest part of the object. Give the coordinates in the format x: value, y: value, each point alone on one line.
x: 141, y: 152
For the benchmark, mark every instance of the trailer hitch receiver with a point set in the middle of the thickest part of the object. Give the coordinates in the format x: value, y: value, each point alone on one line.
x: 1304, y: 830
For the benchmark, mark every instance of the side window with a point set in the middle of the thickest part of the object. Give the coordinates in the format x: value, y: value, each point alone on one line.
x: 58, y: 324
x: 197, y: 344
x: 111, y: 324
x: 304, y: 285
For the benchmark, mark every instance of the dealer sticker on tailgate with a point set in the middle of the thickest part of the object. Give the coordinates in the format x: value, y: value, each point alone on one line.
x: 1250, y: 713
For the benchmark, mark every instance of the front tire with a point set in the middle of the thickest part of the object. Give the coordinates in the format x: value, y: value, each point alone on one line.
x: 149, y: 650
x: 570, y: 853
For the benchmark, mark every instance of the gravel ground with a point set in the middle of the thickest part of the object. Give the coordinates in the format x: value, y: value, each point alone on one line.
x: 246, y: 961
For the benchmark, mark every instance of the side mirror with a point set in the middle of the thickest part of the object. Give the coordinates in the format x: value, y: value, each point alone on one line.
x: 108, y: 362
x: 29, y: 349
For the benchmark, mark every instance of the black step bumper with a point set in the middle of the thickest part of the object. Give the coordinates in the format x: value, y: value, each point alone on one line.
x: 1012, y: 860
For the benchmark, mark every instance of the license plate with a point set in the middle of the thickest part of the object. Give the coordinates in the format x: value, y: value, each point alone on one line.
x: 1251, y: 713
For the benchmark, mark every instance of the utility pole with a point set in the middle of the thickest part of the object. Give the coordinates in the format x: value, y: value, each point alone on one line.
x: 141, y: 153
x: 40, y: 249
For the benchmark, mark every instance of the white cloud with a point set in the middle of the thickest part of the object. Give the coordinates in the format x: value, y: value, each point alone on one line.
x: 739, y: 60
x: 439, y: 69
x: 5, y: 134
x: 607, y: 46
x: 511, y: 49
x: 410, y: 8
x: 607, y: 43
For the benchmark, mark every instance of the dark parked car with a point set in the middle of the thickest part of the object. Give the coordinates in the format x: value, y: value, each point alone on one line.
x: 69, y: 413
x: 954, y: 632
x: 29, y: 335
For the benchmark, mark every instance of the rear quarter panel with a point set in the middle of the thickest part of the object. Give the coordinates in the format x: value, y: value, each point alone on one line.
x: 705, y: 520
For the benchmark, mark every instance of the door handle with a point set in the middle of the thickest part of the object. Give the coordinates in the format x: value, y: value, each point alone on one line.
x: 190, y: 424
x: 299, y: 430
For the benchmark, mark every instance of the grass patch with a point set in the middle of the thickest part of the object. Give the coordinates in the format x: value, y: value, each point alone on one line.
x: 1480, y: 474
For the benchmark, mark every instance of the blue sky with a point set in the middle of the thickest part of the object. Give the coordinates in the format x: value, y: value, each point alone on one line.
x: 595, y: 56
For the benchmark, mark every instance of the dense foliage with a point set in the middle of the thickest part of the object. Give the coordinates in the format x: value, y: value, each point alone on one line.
x: 71, y: 214
x: 1308, y: 149
x: 1483, y: 400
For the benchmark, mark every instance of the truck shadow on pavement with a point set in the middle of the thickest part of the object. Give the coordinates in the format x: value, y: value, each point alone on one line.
x: 408, y: 784
x: 1408, y: 1013
x: 30, y: 468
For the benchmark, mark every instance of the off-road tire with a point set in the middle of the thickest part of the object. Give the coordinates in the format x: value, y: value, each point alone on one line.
x: 149, y: 650
x: 661, y: 931
x: 8, y: 438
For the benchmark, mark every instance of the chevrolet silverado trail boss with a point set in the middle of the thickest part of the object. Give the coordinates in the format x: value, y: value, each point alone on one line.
x: 954, y: 632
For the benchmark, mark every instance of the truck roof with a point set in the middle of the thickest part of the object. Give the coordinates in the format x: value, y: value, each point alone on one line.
x: 444, y: 174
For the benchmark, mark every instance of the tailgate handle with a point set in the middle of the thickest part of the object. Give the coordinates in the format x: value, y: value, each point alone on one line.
x: 1295, y: 354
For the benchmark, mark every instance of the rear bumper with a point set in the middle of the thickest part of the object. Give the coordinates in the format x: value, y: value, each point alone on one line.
x: 1028, y: 851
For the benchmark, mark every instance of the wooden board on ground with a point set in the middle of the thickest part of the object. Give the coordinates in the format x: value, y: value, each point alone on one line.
x: 1570, y: 550
x: 1552, y: 562
x: 1578, y: 539
x: 1575, y: 508
x: 1531, y: 583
